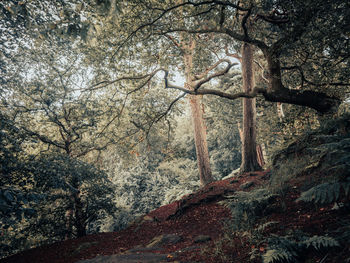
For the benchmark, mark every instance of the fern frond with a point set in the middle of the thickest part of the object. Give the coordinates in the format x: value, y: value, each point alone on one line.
x: 278, y: 255
x: 283, y: 243
x: 319, y: 242
x: 289, y: 248
x: 246, y: 207
x: 262, y: 227
x: 325, y: 193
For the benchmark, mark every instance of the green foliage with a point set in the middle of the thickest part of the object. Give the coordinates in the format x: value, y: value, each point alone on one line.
x: 222, y: 119
x: 62, y: 177
x: 320, y: 242
x: 343, y: 232
x: 183, y: 177
x: 262, y: 227
x: 16, y: 200
x: 247, y: 207
x: 290, y: 249
x: 36, y: 212
x: 275, y: 255
x: 11, y: 146
x: 325, y: 193
x: 139, y: 190
x: 324, y: 151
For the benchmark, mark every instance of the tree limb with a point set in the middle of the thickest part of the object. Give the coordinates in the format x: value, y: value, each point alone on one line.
x: 105, y: 83
x: 199, y: 83
x: 244, y: 22
x: 202, y: 75
x: 219, y: 93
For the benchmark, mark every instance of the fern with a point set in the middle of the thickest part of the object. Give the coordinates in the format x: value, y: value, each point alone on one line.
x: 325, y: 193
x: 319, y: 242
x: 343, y: 233
x: 246, y: 207
x: 262, y: 227
x: 288, y: 249
x: 278, y: 255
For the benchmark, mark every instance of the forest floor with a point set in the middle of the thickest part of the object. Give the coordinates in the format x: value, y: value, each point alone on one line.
x: 193, y: 230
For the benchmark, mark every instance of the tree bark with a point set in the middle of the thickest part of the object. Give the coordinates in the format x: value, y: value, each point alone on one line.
x: 199, y: 128
x: 276, y: 92
x: 80, y: 224
x: 200, y: 139
x: 249, y: 155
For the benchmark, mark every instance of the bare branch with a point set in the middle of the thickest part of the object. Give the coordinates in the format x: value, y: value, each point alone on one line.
x: 170, y: 106
x: 262, y: 71
x: 42, y: 138
x: 105, y: 83
x: 199, y: 83
x: 211, y: 68
x: 223, y: 30
x: 244, y: 22
x: 173, y: 40
x: 219, y: 93
x: 170, y: 9
x: 233, y: 55
x: 273, y: 19
x: 169, y: 85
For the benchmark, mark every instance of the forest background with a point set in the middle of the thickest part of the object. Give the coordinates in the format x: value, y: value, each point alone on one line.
x: 104, y: 107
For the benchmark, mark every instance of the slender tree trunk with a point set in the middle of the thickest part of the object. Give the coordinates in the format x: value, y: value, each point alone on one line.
x: 249, y: 153
x: 200, y: 139
x: 199, y: 128
x: 260, y: 154
x: 69, y: 225
x: 79, y: 216
x: 75, y: 215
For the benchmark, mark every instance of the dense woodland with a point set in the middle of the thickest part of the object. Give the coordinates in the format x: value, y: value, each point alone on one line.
x: 110, y: 109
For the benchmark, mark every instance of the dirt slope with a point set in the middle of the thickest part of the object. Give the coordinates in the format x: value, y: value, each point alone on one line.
x: 198, y: 222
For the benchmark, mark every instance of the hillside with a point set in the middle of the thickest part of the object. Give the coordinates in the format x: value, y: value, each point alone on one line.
x: 297, y: 211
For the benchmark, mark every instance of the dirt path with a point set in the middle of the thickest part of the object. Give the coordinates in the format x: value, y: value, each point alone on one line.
x: 131, y: 258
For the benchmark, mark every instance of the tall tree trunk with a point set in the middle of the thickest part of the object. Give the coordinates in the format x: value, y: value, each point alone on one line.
x: 200, y: 139
x: 199, y: 128
x: 249, y: 154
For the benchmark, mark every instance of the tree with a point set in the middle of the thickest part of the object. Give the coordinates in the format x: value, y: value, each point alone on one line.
x: 75, y: 187
x: 30, y: 186
x: 249, y: 146
x: 281, y: 31
x: 184, y: 48
x: 187, y: 45
x: 277, y: 29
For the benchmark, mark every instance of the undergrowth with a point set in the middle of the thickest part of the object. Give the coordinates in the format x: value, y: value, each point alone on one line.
x: 326, y: 193
x: 292, y: 248
x: 247, y: 207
